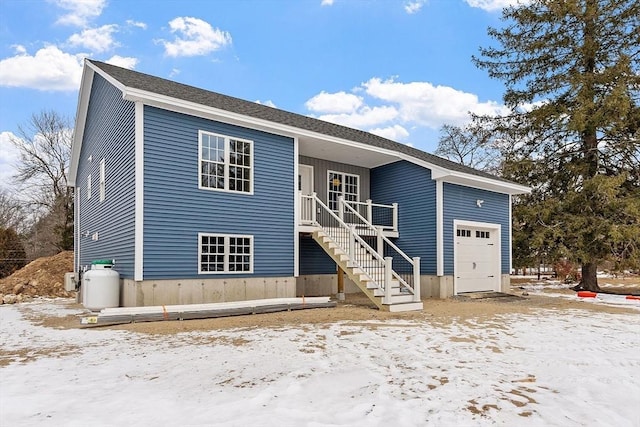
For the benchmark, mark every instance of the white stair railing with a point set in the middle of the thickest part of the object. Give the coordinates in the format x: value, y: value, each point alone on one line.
x: 361, y: 254
x: 406, y: 270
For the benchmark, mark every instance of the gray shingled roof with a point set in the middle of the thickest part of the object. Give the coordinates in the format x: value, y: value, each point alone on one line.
x: 146, y: 82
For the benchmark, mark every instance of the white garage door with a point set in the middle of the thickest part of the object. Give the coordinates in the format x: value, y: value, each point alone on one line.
x: 477, y: 259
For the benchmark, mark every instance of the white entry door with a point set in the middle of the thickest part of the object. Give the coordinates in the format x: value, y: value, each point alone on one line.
x: 477, y: 258
x: 305, y: 179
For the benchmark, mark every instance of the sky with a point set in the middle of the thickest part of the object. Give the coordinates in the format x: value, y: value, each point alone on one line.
x: 397, y: 68
x: 554, y: 367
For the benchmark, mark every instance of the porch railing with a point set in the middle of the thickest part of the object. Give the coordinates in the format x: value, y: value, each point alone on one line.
x: 385, y: 216
x: 382, y: 260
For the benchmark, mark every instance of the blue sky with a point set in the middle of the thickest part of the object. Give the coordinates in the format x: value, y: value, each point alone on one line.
x: 400, y: 69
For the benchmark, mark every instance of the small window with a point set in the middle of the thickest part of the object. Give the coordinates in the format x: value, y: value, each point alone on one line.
x: 220, y: 253
x: 225, y: 163
x: 461, y: 232
x: 103, y: 183
x: 88, y: 187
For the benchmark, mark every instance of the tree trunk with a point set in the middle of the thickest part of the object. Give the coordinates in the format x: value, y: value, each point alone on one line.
x: 589, y: 280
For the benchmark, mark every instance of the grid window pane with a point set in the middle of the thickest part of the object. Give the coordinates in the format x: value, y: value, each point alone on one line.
x: 225, y: 163
x: 225, y: 254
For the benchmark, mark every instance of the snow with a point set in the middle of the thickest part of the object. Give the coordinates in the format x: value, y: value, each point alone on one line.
x: 552, y: 368
x: 599, y: 299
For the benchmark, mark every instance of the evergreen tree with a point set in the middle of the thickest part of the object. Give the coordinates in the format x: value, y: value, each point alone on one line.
x: 571, y: 71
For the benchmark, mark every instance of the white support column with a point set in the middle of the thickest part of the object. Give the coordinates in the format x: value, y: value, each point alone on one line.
x: 416, y: 279
x: 380, y: 242
x: 341, y: 208
x: 395, y: 216
x: 388, y: 276
x: 369, y: 216
x: 314, y: 208
x: 352, y: 242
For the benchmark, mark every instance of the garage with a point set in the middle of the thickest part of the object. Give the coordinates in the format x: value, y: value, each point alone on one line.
x: 476, y: 257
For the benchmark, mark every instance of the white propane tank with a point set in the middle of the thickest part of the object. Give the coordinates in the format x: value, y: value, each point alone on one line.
x: 101, y: 286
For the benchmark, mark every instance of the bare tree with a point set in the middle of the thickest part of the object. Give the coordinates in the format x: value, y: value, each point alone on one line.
x: 472, y: 145
x: 12, y: 213
x: 44, y: 144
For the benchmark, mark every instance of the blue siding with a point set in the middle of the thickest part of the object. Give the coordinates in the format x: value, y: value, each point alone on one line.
x: 460, y: 203
x: 176, y: 210
x: 110, y: 134
x: 413, y: 189
x: 313, y: 259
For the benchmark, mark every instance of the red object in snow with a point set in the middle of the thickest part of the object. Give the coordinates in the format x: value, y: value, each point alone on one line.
x: 632, y: 297
x: 587, y: 294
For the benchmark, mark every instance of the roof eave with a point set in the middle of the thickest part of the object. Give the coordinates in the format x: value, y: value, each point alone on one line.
x: 483, y: 183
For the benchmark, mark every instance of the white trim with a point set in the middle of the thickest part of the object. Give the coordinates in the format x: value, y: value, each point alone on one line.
x: 226, y: 252
x: 81, y: 119
x: 439, y: 228
x: 102, y: 186
x: 296, y: 209
x: 199, y: 110
x: 497, y: 228
x: 76, y: 258
x: 510, y: 237
x: 138, y: 274
x: 227, y: 164
x: 89, y: 187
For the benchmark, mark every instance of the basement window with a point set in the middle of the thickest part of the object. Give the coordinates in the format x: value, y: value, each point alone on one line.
x: 225, y: 253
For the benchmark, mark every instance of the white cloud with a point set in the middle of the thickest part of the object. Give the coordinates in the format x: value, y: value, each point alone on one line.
x: 339, y: 102
x: 48, y: 69
x: 394, y: 109
x: 9, y: 156
x: 268, y: 103
x: 97, y: 39
x: 19, y: 49
x: 123, y: 61
x: 194, y: 37
x: 80, y: 11
x: 364, y: 118
x: 495, y: 5
x: 132, y: 23
x: 326, y: 3
x: 428, y: 105
x: 413, y: 6
x: 395, y: 132
x: 174, y: 72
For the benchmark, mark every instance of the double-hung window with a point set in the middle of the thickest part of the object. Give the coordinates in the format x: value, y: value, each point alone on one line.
x: 342, y: 185
x: 225, y: 253
x: 226, y: 163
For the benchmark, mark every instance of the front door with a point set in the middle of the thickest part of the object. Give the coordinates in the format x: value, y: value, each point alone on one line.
x: 305, y: 179
x: 305, y: 189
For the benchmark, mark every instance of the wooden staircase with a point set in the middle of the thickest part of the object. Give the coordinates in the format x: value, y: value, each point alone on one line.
x: 373, y: 275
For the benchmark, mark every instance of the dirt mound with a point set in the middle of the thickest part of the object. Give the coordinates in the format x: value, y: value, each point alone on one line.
x: 42, y: 277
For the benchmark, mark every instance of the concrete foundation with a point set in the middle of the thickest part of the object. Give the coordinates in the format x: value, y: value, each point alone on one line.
x: 314, y: 285
x: 505, y: 283
x: 201, y: 291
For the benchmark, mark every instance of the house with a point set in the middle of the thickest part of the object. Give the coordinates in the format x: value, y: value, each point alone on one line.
x: 202, y: 197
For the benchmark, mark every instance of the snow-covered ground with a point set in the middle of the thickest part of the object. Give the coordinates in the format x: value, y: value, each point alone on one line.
x: 546, y: 288
x: 551, y: 368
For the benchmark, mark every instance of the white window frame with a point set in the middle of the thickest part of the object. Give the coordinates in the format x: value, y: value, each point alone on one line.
x: 226, y: 162
x: 227, y: 252
x: 89, y: 187
x: 103, y: 180
x: 344, y: 174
